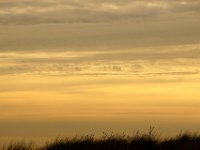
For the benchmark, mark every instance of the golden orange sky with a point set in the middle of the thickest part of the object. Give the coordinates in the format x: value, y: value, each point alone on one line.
x: 72, y: 67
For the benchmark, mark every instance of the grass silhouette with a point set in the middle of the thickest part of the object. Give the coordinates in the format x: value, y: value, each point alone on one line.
x: 112, y: 141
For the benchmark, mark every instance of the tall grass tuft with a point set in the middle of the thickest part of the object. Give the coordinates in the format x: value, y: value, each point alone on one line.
x: 149, y: 141
x: 20, y: 146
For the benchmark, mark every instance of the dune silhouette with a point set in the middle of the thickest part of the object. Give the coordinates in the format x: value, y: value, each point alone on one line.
x: 149, y: 141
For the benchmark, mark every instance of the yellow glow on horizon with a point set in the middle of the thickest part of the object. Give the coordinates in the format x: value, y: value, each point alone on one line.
x: 56, y: 96
x: 106, y: 89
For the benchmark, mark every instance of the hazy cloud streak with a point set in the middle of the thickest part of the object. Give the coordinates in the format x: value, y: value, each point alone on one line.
x: 91, y: 11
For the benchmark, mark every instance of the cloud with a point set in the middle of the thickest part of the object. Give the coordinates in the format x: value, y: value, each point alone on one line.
x: 72, y: 36
x: 102, y: 36
x: 65, y: 25
x: 158, y: 61
x: 91, y: 11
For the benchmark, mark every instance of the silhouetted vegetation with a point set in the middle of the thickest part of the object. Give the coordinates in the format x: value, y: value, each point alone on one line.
x: 112, y: 141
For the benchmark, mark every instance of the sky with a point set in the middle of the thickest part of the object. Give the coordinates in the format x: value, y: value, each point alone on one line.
x: 72, y: 67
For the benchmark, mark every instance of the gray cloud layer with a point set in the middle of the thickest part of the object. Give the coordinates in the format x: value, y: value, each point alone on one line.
x: 113, y: 30
x: 97, y: 24
x: 91, y: 11
x: 99, y: 36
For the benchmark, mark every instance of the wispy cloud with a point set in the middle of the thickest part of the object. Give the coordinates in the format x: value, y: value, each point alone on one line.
x: 96, y: 24
x: 171, y: 60
x: 90, y: 11
x: 98, y: 36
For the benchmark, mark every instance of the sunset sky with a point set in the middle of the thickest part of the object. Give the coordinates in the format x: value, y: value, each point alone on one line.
x: 72, y: 67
